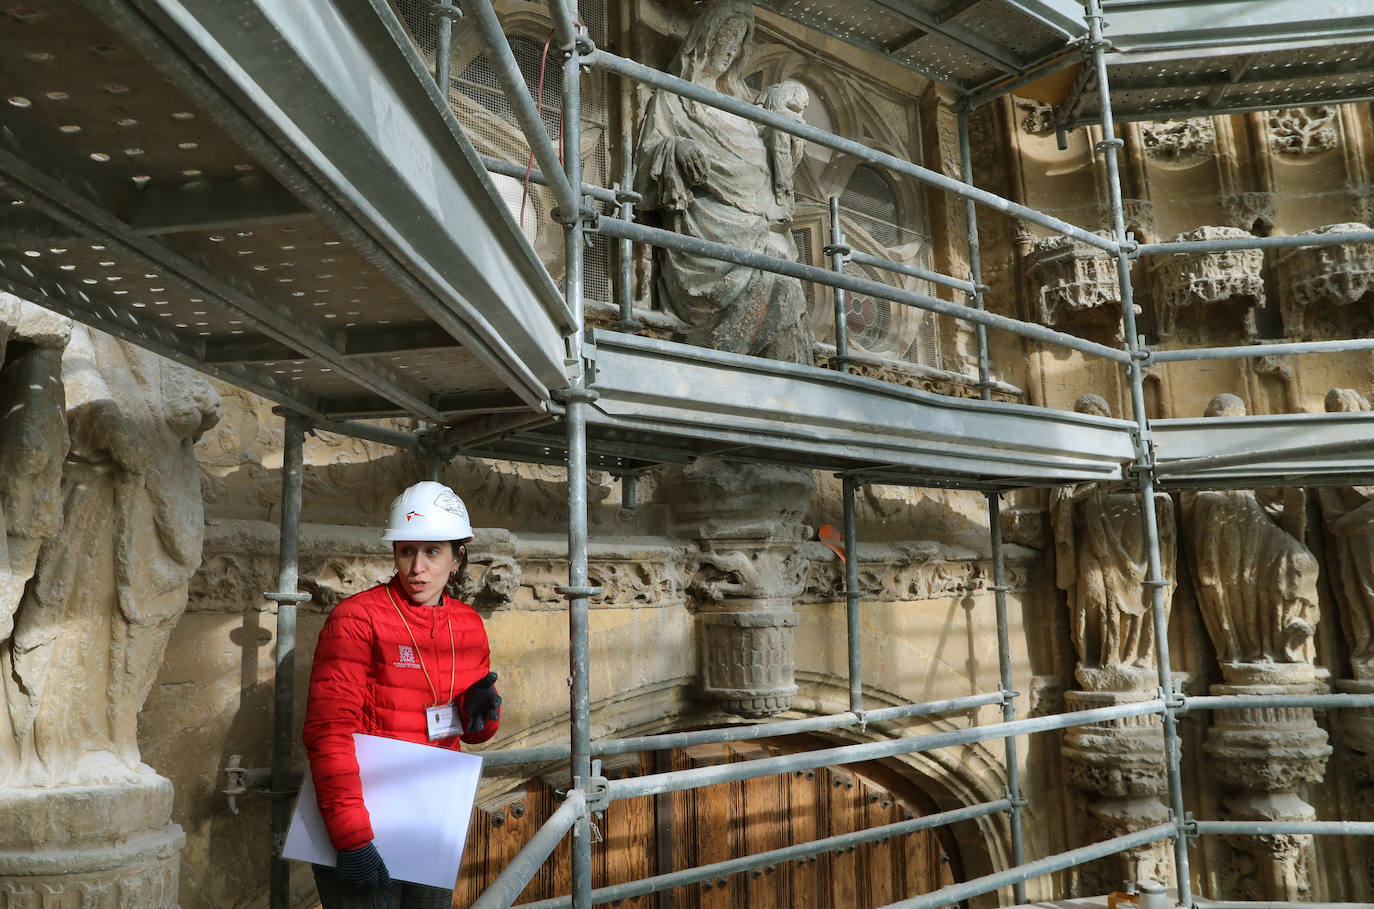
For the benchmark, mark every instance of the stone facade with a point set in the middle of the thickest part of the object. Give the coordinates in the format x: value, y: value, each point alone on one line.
x: 717, y: 600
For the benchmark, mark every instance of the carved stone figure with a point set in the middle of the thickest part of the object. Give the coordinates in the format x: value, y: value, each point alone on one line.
x: 1209, y: 294
x: 1256, y: 582
x: 90, y: 630
x: 1325, y: 291
x: 1101, y: 563
x: 711, y: 175
x: 1075, y: 287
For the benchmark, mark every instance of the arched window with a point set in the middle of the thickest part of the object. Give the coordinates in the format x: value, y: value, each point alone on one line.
x: 870, y: 200
x: 480, y: 83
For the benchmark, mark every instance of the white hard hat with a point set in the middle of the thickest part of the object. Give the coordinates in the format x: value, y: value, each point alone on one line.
x: 428, y: 511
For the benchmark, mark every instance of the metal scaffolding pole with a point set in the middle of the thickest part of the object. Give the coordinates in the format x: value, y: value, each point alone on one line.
x: 519, y: 871
x: 444, y: 12
x: 743, y: 733
x: 625, y: 264
x: 999, y: 568
x: 286, y: 597
x: 838, y: 252
x: 1155, y: 582
x: 575, y: 401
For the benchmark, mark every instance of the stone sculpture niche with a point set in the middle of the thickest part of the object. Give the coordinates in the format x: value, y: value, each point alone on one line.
x: 1348, y: 516
x: 1256, y: 586
x: 1327, y: 291
x: 1075, y: 288
x: 709, y: 174
x: 85, y: 819
x: 747, y: 520
x: 1206, y: 298
x: 1101, y: 564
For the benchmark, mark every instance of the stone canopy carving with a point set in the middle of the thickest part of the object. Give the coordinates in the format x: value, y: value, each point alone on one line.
x: 709, y: 174
x: 1213, y: 293
x: 1327, y: 291
x: 1075, y: 287
x: 1298, y: 131
x: 1179, y: 141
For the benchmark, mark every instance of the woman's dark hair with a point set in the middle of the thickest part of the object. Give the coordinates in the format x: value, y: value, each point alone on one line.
x: 457, y: 581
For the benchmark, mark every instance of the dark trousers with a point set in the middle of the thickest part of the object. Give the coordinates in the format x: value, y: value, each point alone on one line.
x: 339, y: 894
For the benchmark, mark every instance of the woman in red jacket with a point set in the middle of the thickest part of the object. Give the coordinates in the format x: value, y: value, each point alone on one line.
x: 386, y: 658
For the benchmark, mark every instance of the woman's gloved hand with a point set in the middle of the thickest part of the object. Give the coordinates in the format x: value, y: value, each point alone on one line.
x: 481, y: 704
x: 363, y: 867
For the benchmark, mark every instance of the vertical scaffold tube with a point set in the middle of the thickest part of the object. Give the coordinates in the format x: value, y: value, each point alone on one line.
x: 283, y: 721
x: 578, y: 616
x: 625, y: 264
x: 999, y: 568
x: 837, y: 257
x: 851, y: 599
x: 444, y: 13
x: 1155, y: 581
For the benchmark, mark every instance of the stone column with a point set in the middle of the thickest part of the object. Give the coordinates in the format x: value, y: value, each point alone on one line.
x: 108, y: 525
x: 747, y: 520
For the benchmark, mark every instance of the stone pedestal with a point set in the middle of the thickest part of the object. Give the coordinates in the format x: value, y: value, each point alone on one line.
x: 747, y: 520
x: 90, y: 847
x: 1265, y: 755
x: 1121, y: 762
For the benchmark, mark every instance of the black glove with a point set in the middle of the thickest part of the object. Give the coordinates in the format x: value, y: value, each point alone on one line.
x: 480, y: 702
x: 363, y: 867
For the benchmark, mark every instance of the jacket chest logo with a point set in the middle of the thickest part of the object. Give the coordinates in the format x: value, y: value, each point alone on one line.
x: 406, y: 657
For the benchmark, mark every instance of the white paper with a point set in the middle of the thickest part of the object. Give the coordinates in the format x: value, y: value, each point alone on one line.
x: 420, y: 798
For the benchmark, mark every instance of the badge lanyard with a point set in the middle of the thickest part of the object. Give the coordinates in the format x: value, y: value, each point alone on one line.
x: 452, y: 657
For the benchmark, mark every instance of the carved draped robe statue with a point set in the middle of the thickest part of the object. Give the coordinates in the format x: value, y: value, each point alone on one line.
x: 1101, y: 563
x: 91, y: 628
x: 1348, y: 513
x: 1255, y: 580
x: 712, y: 175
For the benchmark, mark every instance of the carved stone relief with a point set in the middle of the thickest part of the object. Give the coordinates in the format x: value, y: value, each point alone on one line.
x: 89, y: 631
x: 1075, y: 288
x: 1325, y: 291
x: 1179, y: 141
x: 1298, y: 131
x: 1035, y: 117
x: 1252, y: 212
x: 1205, y: 295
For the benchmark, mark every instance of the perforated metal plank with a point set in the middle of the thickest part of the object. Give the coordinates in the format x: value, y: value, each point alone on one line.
x: 1254, y: 447
x: 134, y: 180
x: 1227, y: 27
x: 839, y: 421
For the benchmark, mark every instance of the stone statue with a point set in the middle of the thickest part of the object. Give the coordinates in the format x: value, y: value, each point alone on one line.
x: 91, y: 627
x: 1256, y: 582
x: 712, y: 175
x: 1101, y: 564
x: 1348, y: 513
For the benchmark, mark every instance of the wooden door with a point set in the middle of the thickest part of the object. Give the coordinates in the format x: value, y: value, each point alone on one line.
x: 644, y: 837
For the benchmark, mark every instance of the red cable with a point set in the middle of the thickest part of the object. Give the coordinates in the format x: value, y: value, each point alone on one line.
x: 539, y: 106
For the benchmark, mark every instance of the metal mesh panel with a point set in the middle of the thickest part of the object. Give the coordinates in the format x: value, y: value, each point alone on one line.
x: 479, y: 102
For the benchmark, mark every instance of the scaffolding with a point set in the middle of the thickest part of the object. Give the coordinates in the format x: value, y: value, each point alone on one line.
x: 431, y: 229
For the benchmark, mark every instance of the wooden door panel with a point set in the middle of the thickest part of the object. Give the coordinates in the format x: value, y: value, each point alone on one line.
x: 717, y: 823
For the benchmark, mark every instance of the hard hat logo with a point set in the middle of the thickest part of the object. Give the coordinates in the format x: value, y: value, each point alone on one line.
x: 444, y: 516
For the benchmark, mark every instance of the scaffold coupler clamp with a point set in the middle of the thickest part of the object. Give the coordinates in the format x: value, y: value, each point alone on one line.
x: 1189, y: 826
x: 1174, y: 700
x: 580, y: 592
x: 448, y: 9
x: 843, y: 250
x: 236, y: 782
x: 1014, y: 799
x: 581, y: 395
x: 296, y: 597
x: 1009, y: 696
x: 625, y: 196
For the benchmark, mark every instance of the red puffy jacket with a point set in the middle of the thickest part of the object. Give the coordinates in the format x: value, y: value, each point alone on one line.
x: 368, y: 677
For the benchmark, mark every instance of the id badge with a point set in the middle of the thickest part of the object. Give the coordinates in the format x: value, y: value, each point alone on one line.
x: 442, y: 722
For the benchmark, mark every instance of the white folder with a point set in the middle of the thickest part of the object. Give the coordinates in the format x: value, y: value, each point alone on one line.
x: 420, y: 798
